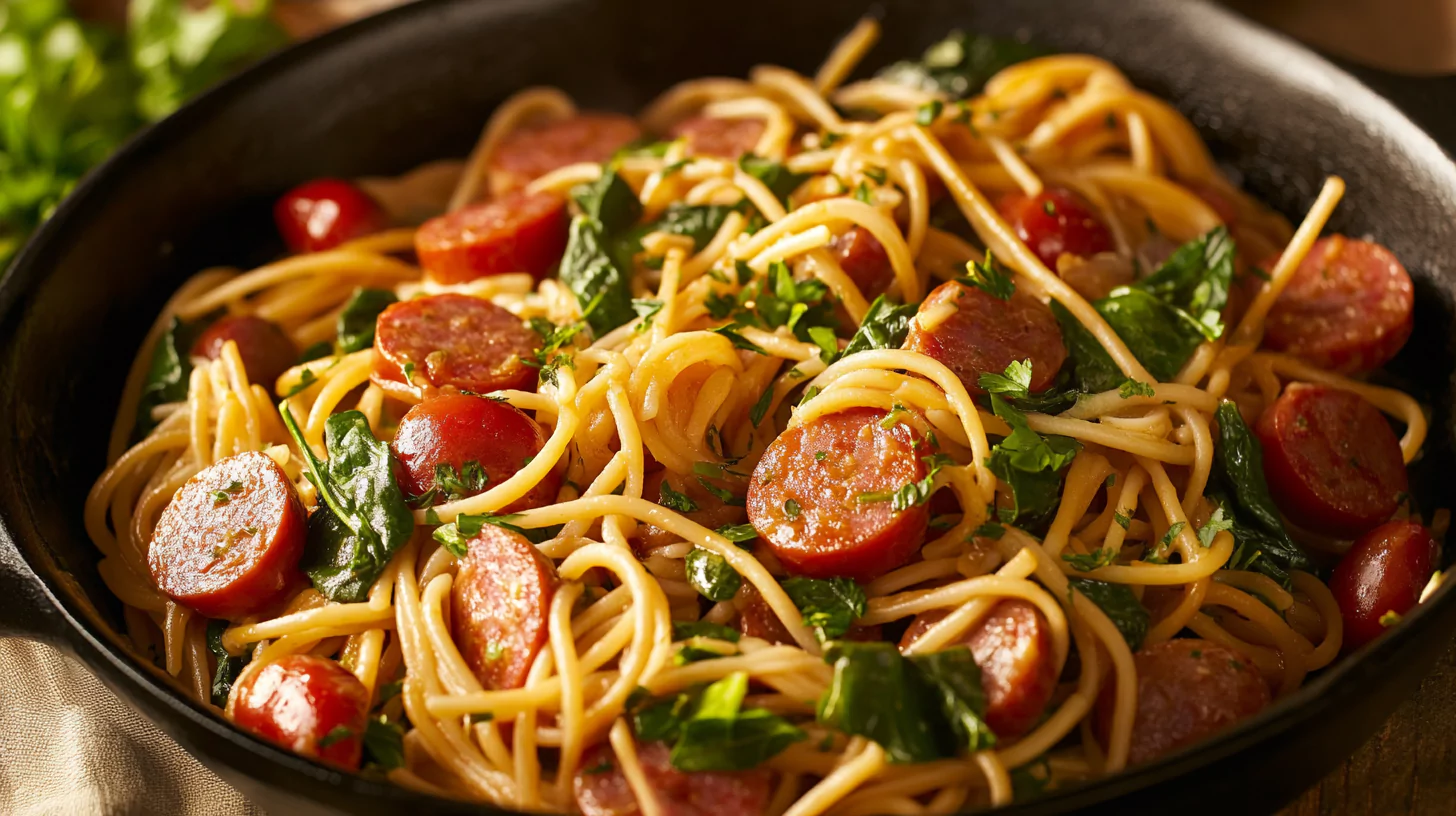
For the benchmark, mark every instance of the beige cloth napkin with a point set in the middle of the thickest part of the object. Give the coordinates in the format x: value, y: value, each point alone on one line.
x: 69, y: 746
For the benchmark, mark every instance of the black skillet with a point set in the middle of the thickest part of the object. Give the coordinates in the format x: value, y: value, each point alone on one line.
x: 417, y: 83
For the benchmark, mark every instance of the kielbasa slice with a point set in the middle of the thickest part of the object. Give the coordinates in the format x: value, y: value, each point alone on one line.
x: 864, y: 260
x: 528, y: 153
x: 499, y: 606
x: 517, y: 233
x: 325, y: 213
x: 820, y: 495
x: 228, y: 544
x: 973, y: 332
x: 451, y: 340
x: 1385, y: 571
x: 1347, y: 308
x: 602, y: 788
x: 1054, y: 222
x: 264, y: 348
x: 1332, y: 461
x: 724, y: 138
x: 1013, y: 648
x: 461, y: 445
x: 1188, y: 690
x: 712, y: 511
x: 310, y: 705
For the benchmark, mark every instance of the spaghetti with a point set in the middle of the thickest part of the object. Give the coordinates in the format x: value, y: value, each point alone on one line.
x: 1027, y: 481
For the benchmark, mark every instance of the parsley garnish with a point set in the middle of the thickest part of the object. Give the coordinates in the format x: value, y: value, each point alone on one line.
x: 988, y: 275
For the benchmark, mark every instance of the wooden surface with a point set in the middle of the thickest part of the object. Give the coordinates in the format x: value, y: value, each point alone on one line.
x: 1408, y: 767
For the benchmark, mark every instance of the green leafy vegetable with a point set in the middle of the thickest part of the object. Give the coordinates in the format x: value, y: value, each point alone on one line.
x: 589, y: 269
x: 682, y: 630
x: 1092, y: 368
x: 708, y: 728
x: 384, y: 742
x: 699, y: 222
x: 884, y: 326
x: 1216, y: 524
x: 179, y: 49
x: 926, y: 114
x: 228, y: 667
x: 778, y: 179
x: 738, y: 533
x: 829, y: 605
x: 711, y: 575
x: 673, y: 500
x: 959, y: 65
x: 1120, y: 605
x: 364, y: 519
x: 1014, y: 383
x: 1196, y: 279
x: 355, y: 325
x: 168, y: 376
x: 1263, y: 543
x: 988, y: 275
x: 1134, y: 388
x: 1097, y: 559
x: 1027, y: 462
x: 918, y: 709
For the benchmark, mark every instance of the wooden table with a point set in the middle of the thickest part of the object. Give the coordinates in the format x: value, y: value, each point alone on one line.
x: 1407, y: 767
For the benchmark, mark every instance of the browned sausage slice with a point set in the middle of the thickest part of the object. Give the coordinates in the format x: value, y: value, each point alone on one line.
x: 309, y: 705
x: 724, y: 138
x: 517, y: 233
x: 820, y: 496
x: 712, y: 511
x: 1347, y: 308
x: 265, y: 350
x: 864, y: 260
x: 1013, y: 648
x: 973, y: 332
x: 1332, y: 461
x: 461, y: 445
x: 228, y: 544
x: 531, y: 152
x: 451, y: 340
x: 1188, y: 690
x: 499, y: 606
x: 602, y: 788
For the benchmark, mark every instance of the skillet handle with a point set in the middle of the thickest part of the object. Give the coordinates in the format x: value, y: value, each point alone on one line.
x: 26, y: 608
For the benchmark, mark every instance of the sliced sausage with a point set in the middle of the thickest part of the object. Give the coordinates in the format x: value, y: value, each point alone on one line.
x: 973, y: 332
x: 1347, y: 308
x: 757, y: 619
x: 1332, y: 461
x: 724, y: 138
x: 831, y: 515
x: 517, y: 233
x: 712, y: 511
x: 1013, y: 648
x: 531, y: 152
x: 499, y: 606
x: 451, y: 340
x: 1188, y: 690
x: 461, y: 445
x: 228, y: 544
x: 864, y: 260
x: 1055, y: 221
x: 325, y: 213
x: 264, y: 347
x: 1385, y: 571
x: 310, y: 705
x: 602, y: 788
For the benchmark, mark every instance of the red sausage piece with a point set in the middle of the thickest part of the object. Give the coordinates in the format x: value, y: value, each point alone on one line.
x: 1054, y: 222
x: 1013, y: 648
x: 531, y: 152
x: 1188, y: 690
x: 452, y: 340
x: 499, y: 606
x: 1347, y: 308
x: 472, y: 442
x: 310, y: 705
x: 228, y: 544
x: 724, y: 138
x: 1385, y: 571
x: 517, y: 233
x: 266, y: 350
x: 814, y: 510
x: 602, y: 789
x: 324, y: 213
x: 973, y: 332
x: 712, y: 511
x: 864, y: 260
x: 1332, y: 461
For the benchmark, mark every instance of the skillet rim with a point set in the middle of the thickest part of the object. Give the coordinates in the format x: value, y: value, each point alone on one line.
x: 135, y: 681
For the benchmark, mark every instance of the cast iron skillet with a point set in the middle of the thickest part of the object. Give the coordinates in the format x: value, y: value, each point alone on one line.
x: 417, y: 83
